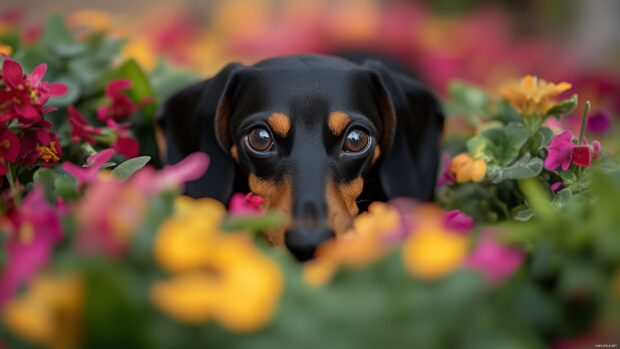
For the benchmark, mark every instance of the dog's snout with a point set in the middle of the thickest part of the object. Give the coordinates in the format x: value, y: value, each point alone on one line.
x: 303, y: 241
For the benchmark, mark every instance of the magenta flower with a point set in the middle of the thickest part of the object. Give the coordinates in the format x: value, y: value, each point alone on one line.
x: 457, y: 221
x: 9, y: 149
x: 33, y: 232
x: 120, y: 106
x: 494, y: 260
x: 560, y: 151
x: 81, y: 129
x: 125, y: 144
x: 599, y: 122
x: 94, y: 162
x: 246, y: 204
x: 23, y: 96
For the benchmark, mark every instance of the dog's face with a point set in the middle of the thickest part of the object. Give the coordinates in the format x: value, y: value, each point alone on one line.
x: 305, y: 139
x: 303, y: 132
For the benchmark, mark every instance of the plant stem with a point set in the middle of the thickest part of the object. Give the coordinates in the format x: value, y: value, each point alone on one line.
x: 582, y: 131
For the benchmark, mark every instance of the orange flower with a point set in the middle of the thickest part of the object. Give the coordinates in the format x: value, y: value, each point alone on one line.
x: 361, y: 246
x: 48, y: 313
x: 221, y: 277
x: 531, y: 95
x: 466, y: 168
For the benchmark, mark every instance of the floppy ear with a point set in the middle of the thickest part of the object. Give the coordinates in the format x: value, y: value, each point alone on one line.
x: 409, y: 166
x: 188, y: 119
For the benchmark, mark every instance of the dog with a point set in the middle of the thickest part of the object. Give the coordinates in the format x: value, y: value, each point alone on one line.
x: 318, y: 137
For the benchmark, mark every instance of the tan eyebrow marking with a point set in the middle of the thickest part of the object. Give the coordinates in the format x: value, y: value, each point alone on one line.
x: 337, y: 122
x: 280, y: 123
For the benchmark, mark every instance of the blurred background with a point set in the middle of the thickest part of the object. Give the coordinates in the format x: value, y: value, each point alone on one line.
x: 481, y: 41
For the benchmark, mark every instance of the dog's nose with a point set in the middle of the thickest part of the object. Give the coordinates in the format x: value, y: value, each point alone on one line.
x: 302, y: 242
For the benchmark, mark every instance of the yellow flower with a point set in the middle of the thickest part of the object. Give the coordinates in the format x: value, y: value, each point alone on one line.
x: 5, y: 49
x: 221, y: 277
x: 466, y: 168
x: 48, y: 313
x: 361, y: 246
x: 432, y: 252
x: 142, y: 51
x: 531, y: 95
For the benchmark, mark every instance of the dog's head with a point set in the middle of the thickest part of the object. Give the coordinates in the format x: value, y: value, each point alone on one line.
x: 307, y: 133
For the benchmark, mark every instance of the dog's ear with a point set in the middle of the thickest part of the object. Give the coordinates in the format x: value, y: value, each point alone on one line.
x: 194, y: 119
x: 409, y: 166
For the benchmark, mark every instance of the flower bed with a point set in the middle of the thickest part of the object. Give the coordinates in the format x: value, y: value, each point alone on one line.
x: 100, y: 250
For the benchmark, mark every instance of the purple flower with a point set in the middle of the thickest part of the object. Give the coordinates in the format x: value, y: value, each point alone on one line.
x: 560, y: 151
x: 496, y: 261
x: 33, y: 231
x: 598, y: 122
x: 457, y: 221
x: 446, y: 177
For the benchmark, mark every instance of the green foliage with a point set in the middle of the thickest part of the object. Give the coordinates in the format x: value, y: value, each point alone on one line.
x: 129, y: 167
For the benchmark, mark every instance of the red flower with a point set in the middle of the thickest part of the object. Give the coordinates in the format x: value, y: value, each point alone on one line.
x: 121, y: 106
x: 39, y: 144
x: 81, y: 129
x: 23, y: 96
x: 582, y: 155
x: 90, y: 173
x: 9, y: 149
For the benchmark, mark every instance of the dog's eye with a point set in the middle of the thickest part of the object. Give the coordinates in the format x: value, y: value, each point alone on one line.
x: 259, y: 139
x: 356, y: 141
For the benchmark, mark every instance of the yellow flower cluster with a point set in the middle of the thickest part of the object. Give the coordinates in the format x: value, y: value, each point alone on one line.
x: 531, y: 95
x: 430, y: 250
x: 49, y: 313
x: 216, y: 276
x: 465, y: 168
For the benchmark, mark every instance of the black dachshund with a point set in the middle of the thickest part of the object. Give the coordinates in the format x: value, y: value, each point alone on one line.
x: 318, y: 137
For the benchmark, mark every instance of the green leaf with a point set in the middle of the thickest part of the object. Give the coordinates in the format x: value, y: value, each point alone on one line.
x: 566, y: 106
x: 70, y: 97
x: 523, y: 215
x: 568, y: 177
x: 55, y: 34
x: 69, y: 49
x: 525, y: 167
x: 477, y: 145
x: 65, y: 187
x: 562, y: 198
x: 129, y: 167
x: 256, y: 224
x: 503, y: 144
x: 466, y: 99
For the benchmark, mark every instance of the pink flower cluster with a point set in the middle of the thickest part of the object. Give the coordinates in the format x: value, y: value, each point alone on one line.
x: 114, y: 133
x: 26, y: 137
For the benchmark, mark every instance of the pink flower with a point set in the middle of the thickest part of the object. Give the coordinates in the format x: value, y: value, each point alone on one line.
x: 90, y: 173
x: 33, y: 232
x: 245, y: 204
x: 81, y: 129
x: 560, y: 151
x: 120, y: 105
x: 149, y: 181
x: 457, y: 221
x: 598, y: 122
x: 496, y: 261
x: 9, y: 149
